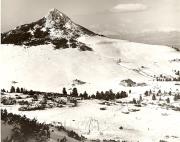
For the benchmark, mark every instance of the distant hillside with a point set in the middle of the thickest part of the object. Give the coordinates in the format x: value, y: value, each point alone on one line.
x: 171, y: 39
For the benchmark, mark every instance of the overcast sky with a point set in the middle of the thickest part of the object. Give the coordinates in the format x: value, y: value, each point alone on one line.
x: 107, y: 16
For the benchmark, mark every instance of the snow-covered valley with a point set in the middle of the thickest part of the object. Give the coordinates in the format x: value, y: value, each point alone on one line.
x: 119, y: 120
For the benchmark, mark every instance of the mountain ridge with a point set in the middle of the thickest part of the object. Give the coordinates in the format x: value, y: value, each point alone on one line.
x: 55, y: 28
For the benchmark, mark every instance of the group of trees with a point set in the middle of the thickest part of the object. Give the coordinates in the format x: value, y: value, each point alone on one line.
x: 8, y: 101
x: 74, y: 93
x: 15, y: 90
x: 60, y: 43
x: 148, y: 93
x: 14, y: 37
x: 25, y: 91
x: 25, y: 128
x: 169, y: 78
x: 176, y: 97
x: 107, y: 95
x: 154, y: 95
x: 70, y: 133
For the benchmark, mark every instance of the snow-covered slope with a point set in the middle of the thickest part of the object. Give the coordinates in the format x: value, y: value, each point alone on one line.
x: 43, y: 68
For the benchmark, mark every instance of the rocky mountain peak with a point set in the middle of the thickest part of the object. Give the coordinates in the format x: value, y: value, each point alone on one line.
x: 55, y: 18
x: 55, y: 28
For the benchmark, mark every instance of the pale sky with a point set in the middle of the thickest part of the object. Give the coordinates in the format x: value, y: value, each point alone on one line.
x: 105, y: 16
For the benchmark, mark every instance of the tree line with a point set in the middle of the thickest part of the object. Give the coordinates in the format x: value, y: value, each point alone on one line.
x: 103, y: 95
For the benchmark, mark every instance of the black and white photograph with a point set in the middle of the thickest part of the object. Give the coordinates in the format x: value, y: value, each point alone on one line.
x: 90, y: 70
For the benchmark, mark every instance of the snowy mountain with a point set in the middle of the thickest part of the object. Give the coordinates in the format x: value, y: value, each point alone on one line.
x: 109, y: 62
x: 55, y: 28
x: 138, y: 85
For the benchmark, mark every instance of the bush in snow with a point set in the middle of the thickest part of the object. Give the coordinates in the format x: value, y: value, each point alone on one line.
x: 168, y: 100
x: 153, y: 97
x: 134, y: 101
x: 176, y: 97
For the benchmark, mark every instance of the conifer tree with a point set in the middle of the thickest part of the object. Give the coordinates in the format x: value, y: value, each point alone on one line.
x: 12, y: 90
